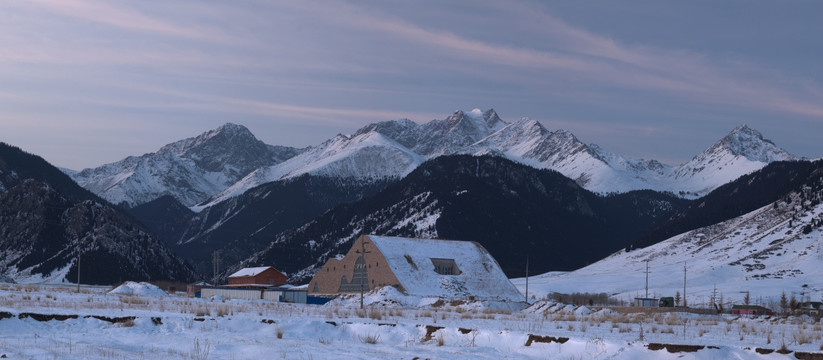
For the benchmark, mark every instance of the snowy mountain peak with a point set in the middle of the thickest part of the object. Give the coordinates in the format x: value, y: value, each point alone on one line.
x: 192, y: 170
x: 492, y: 119
x: 232, y: 127
x: 749, y: 143
x: 476, y: 119
x: 742, y: 151
x: 225, y: 134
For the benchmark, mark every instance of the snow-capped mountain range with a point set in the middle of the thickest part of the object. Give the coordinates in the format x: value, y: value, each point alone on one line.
x: 228, y: 161
x: 774, y: 249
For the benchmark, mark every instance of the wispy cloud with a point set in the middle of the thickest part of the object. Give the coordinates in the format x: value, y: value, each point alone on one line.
x: 285, y: 113
x: 601, y: 60
x: 106, y: 12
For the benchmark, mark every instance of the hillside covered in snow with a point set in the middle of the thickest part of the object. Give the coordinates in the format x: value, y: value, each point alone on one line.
x: 774, y: 249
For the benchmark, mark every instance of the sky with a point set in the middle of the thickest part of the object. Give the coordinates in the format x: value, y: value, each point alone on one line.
x: 88, y: 82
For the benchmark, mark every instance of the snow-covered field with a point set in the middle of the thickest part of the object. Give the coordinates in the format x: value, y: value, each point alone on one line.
x: 138, y: 322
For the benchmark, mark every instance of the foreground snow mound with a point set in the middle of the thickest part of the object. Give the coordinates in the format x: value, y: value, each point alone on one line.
x: 583, y: 310
x: 138, y: 288
x: 389, y: 296
x: 540, y: 306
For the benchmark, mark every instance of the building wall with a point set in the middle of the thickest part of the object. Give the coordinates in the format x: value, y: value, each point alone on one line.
x: 246, y: 294
x: 268, y: 277
x: 328, y: 279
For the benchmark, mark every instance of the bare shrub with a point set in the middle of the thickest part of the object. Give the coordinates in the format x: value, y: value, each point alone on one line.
x: 278, y: 331
x: 370, y: 339
x: 673, y: 320
x: 496, y: 311
x: 375, y: 314
x: 200, y: 351
x: 440, y: 339
x: 624, y: 329
x: 801, y: 337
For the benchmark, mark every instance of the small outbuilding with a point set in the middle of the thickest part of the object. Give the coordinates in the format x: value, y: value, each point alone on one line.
x: 813, y: 308
x: 646, y: 302
x: 752, y: 310
x: 446, y: 269
x: 193, y: 290
x: 265, y: 276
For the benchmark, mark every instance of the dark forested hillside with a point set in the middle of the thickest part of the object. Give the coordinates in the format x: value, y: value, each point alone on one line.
x: 47, y: 221
x: 243, y: 225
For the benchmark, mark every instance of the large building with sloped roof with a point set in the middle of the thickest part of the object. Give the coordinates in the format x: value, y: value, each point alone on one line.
x: 447, y: 269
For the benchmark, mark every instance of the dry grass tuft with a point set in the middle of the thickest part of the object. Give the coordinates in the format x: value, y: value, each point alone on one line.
x: 370, y: 339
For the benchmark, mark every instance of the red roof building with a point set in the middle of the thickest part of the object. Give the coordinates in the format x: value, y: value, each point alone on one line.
x: 257, y: 277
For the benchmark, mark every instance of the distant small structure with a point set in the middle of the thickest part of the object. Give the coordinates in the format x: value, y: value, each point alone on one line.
x: 646, y: 302
x: 276, y: 294
x: 666, y: 301
x: 812, y: 308
x: 259, y: 277
x: 752, y: 310
x: 193, y: 290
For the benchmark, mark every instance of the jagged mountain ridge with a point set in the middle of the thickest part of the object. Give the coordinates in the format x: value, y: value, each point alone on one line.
x: 773, y: 249
x: 229, y: 160
x: 46, y: 220
x: 403, y: 145
x: 192, y: 170
x: 384, y: 150
x: 511, y: 209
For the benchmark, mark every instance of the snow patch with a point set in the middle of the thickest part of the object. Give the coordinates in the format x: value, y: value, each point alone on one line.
x: 138, y: 288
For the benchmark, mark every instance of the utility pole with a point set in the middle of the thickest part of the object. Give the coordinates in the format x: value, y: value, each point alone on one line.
x: 647, y: 279
x: 684, y: 284
x: 215, y: 262
x: 363, y: 279
x: 527, y: 279
x: 78, y: 272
